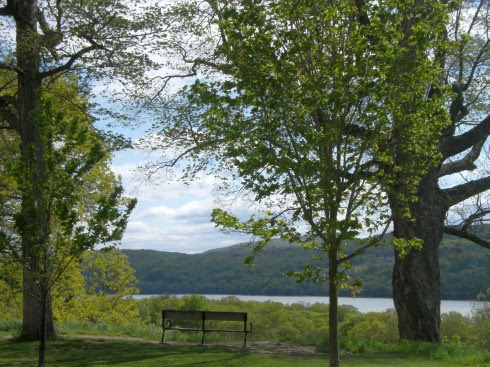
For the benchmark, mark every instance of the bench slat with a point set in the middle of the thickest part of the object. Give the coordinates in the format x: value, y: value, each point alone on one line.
x: 229, y: 331
x: 225, y: 316
x: 182, y: 315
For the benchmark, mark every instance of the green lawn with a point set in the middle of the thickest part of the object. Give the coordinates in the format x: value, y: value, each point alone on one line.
x: 71, y: 352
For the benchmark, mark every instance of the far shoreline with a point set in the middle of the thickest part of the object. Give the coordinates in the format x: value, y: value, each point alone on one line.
x: 363, y: 304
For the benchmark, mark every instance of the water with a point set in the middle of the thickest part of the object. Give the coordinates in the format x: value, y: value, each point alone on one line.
x: 362, y: 304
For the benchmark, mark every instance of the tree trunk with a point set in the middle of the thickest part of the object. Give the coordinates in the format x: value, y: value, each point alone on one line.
x: 34, y: 215
x: 42, y: 329
x: 416, y: 283
x: 333, y: 327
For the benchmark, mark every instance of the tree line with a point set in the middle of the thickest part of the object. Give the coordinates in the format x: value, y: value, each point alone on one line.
x: 337, y: 118
x: 464, y: 271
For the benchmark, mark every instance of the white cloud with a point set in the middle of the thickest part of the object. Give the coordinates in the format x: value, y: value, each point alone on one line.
x: 193, y: 211
x: 186, y: 237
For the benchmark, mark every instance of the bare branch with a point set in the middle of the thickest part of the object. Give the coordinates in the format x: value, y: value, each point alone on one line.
x: 464, y: 191
x: 464, y: 164
x: 458, y: 144
x: 477, y: 216
x: 475, y: 65
x: 51, y: 38
x: 454, y: 231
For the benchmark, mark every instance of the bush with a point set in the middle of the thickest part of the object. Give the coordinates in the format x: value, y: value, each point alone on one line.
x: 455, y: 326
x: 13, y: 326
x: 378, y: 327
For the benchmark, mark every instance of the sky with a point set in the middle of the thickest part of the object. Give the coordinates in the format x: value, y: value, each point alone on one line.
x: 170, y: 215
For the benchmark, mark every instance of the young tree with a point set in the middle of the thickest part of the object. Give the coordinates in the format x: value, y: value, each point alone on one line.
x: 42, y: 39
x: 297, y: 85
x: 109, y: 279
x: 83, y: 199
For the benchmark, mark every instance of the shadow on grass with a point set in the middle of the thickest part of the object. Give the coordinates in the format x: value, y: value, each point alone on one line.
x: 98, y: 352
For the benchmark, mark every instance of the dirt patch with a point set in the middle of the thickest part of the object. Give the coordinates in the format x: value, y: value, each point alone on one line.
x: 255, y: 347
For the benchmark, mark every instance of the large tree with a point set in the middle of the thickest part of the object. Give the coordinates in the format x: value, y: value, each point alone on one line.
x: 84, y: 203
x: 449, y: 199
x: 292, y: 89
x: 40, y: 41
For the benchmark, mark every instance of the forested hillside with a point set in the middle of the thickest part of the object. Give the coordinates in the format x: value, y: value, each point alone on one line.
x: 465, y: 271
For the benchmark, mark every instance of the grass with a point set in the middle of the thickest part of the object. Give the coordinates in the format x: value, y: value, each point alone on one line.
x: 77, y: 352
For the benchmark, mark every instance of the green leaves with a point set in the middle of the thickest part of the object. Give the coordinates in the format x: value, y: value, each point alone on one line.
x: 316, y: 113
x: 403, y: 246
x: 80, y: 198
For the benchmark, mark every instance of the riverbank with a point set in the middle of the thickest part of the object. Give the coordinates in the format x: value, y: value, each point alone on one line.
x: 363, y: 304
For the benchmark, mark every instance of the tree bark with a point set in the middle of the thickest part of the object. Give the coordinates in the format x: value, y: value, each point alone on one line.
x: 43, y: 329
x: 333, y: 327
x: 416, y: 282
x: 33, y: 211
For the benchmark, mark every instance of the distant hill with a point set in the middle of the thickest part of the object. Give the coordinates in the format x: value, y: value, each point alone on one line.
x: 465, y: 271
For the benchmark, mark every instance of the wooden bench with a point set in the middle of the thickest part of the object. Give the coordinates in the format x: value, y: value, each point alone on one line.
x: 168, y: 316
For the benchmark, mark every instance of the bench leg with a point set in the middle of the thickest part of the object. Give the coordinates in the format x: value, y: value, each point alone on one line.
x: 202, y: 340
x: 163, y: 336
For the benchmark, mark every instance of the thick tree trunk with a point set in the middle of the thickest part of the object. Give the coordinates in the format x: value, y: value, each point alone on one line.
x: 35, y: 220
x: 416, y: 283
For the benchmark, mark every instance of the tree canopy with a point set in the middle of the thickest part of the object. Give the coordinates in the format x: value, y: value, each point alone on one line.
x: 306, y: 106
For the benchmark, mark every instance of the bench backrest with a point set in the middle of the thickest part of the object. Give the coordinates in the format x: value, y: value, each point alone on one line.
x: 204, y: 315
x: 225, y: 316
x: 182, y: 315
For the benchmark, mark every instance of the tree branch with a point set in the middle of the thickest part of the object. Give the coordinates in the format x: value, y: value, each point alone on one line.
x: 464, y: 191
x: 51, y: 38
x: 454, y: 231
x: 477, y: 216
x: 362, y: 16
x: 67, y: 66
x: 458, y: 144
x: 475, y: 65
x: 7, y: 114
x: 9, y: 67
x: 373, y: 242
x: 464, y: 164
x: 224, y: 68
x: 6, y: 11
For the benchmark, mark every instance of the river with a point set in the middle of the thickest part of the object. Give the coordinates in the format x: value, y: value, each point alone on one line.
x: 362, y: 304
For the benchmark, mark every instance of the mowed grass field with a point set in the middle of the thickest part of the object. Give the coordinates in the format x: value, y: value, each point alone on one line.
x: 94, y: 351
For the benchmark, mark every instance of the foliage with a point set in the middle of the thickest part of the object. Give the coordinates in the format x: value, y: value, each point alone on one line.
x: 306, y: 108
x: 98, y: 297
x: 109, y: 279
x: 366, y: 337
x: 81, y: 197
x: 369, y: 336
x: 452, y: 194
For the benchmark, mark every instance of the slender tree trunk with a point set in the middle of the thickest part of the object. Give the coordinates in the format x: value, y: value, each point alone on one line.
x: 42, y: 330
x: 333, y: 327
x: 416, y: 283
x: 33, y: 212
